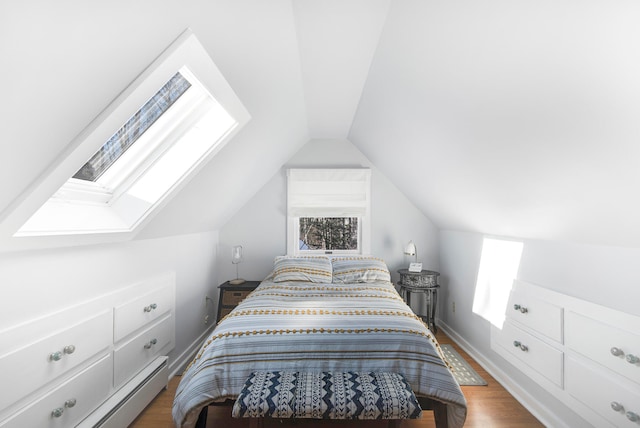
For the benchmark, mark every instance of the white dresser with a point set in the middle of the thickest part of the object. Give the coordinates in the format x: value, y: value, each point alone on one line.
x: 98, y: 363
x: 584, y: 354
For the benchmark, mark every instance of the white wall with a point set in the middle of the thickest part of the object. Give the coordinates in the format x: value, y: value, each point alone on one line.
x: 67, y: 61
x: 37, y: 283
x: 260, y: 226
x: 604, y: 275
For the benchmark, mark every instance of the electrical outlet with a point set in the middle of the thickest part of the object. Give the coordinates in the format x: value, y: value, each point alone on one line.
x: 206, y: 319
x: 453, y: 307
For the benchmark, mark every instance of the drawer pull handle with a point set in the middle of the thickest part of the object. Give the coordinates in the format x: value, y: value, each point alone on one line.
x: 55, y: 356
x: 70, y: 403
x: 150, y: 307
x: 520, y: 308
x: 149, y: 344
x: 69, y: 349
x: 633, y: 417
x: 632, y: 359
x: 617, y: 406
x: 56, y: 413
x: 616, y: 352
x: 522, y: 347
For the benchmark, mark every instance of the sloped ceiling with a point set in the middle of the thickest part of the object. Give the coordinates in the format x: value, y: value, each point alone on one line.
x: 512, y: 118
x: 503, y: 117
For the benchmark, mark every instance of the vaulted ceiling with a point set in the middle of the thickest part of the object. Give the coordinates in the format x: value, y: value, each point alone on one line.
x: 511, y: 118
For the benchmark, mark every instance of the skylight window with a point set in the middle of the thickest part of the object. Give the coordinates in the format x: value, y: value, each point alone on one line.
x: 145, y: 146
x: 142, y: 120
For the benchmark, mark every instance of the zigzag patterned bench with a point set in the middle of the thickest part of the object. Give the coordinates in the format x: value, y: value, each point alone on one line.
x: 326, y: 395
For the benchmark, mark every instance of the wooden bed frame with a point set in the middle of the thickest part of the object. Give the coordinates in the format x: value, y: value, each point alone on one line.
x: 439, y: 411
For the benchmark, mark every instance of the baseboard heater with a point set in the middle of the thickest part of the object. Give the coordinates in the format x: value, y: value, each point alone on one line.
x: 127, y: 403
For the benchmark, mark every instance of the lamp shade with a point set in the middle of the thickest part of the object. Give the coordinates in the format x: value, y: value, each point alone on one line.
x: 410, y: 249
x: 236, y: 254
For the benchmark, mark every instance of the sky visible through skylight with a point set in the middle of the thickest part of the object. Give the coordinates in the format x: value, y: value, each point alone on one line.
x: 131, y: 131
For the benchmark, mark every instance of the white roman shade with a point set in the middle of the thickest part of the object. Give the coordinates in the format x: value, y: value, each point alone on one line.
x: 329, y: 192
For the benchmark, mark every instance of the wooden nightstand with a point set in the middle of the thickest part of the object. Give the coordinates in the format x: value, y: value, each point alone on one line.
x: 231, y: 295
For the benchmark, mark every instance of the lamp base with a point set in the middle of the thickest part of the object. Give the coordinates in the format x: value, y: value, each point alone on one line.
x: 237, y: 281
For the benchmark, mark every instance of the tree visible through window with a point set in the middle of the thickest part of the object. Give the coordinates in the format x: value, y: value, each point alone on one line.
x: 328, y: 233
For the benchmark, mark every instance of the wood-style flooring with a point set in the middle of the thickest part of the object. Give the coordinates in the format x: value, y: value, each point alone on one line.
x: 489, y: 406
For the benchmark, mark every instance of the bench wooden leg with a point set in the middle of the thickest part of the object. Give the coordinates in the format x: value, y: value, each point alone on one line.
x: 439, y: 411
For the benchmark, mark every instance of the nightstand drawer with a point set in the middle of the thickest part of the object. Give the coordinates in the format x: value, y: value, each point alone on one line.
x: 224, y: 312
x: 232, y: 298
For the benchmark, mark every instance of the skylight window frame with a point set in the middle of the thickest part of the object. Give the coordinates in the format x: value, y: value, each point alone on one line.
x: 168, y: 128
x: 111, y: 224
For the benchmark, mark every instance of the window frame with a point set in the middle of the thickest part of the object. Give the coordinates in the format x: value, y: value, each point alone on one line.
x: 104, y: 222
x: 333, y: 251
x: 322, y: 202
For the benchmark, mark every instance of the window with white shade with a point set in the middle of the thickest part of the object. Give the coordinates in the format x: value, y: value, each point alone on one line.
x: 328, y: 211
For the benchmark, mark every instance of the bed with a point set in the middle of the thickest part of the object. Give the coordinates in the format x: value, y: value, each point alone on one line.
x: 320, y: 314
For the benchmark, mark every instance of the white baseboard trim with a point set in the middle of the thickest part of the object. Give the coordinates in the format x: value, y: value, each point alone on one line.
x: 181, y: 361
x: 537, y: 409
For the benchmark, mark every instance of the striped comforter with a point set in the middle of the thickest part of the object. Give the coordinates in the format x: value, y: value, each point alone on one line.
x: 317, y: 327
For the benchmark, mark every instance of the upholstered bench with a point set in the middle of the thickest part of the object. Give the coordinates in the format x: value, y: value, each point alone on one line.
x: 326, y: 395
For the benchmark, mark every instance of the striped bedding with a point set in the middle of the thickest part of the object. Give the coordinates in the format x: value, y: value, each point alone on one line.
x: 317, y: 327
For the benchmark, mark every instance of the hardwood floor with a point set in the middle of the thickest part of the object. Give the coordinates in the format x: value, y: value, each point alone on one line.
x: 489, y: 406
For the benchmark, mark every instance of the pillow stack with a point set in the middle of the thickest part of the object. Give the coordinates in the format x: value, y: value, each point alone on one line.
x: 356, y: 269
x: 322, y: 269
x: 307, y: 269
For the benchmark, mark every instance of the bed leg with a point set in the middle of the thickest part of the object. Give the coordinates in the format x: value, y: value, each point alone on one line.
x: 256, y: 422
x: 202, y: 418
x: 440, y: 415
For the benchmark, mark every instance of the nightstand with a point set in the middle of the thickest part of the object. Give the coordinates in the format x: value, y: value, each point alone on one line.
x: 425, y: 282
x: 231, y: 295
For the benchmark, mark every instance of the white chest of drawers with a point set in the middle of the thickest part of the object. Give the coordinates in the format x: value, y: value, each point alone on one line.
x: 80, y: 366
x: 586, y: 355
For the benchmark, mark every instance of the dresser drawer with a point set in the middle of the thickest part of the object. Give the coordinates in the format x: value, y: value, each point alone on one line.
x: 541, y: 357
x: 138, y: 312
x: 234, y: 297
x: 73, y: 400
x: 599, y: 390
x: 132, y: 356
x: 606, y: 344
x: 536, y: 314
x: 28, y: 368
